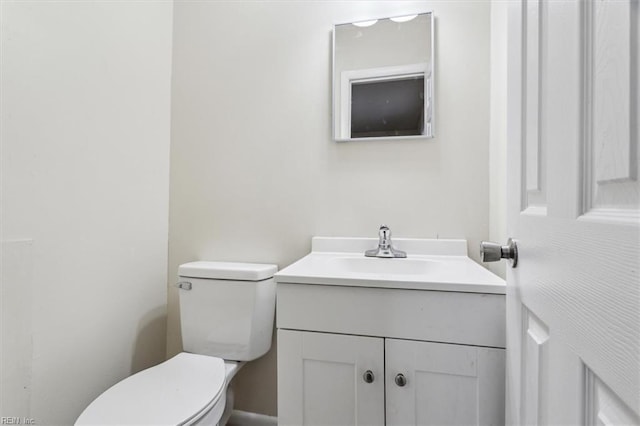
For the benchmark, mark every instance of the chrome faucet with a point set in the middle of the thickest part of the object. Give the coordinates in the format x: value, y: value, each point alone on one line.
x: 384, y: 245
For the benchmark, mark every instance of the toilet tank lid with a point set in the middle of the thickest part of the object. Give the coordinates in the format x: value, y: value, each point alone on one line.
x: 228, y: 270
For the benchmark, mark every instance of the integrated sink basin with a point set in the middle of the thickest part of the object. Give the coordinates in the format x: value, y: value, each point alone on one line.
x: 431, y: 264
x: 385, y: 266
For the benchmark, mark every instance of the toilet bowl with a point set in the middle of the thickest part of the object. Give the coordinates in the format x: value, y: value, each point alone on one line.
x: 227, y: 312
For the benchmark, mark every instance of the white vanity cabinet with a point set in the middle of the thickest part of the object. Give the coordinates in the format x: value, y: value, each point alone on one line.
x: 375, y: 356
x: 337, y: 379
x: 381, y: 349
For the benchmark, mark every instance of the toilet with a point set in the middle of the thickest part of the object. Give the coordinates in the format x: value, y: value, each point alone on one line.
x: 227, y: 312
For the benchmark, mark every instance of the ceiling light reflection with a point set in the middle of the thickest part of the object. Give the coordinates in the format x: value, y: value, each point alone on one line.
x: 403, y: 18
x: 365, y: 23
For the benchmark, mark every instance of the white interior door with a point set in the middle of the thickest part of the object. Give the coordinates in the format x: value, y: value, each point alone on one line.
x: 573, y: 302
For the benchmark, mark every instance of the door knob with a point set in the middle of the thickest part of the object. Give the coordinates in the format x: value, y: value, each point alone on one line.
x: 368, y: 376
x: 492, y: 252
x: 400, y: 380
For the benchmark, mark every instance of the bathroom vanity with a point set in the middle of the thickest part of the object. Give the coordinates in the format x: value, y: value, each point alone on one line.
x: 371, y: 341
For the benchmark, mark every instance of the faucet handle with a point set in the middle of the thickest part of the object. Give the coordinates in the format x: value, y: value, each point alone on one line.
x: 384, y: 245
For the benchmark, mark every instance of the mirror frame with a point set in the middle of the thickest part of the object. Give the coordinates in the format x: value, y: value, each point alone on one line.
x: 341, y: 114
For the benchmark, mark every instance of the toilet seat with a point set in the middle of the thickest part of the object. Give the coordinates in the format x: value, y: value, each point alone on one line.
x: 177, y: 392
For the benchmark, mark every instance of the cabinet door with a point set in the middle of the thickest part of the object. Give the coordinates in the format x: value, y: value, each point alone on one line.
x: 445, y: 384
x: 321, y: 379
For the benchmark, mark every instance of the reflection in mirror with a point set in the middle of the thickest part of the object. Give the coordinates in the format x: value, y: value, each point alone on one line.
x: 383, y: 78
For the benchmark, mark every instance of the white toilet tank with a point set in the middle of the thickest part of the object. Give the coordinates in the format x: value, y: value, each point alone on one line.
x: 227, y: 309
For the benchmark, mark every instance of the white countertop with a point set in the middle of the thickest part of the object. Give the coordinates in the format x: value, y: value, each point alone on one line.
x: 439, y: 265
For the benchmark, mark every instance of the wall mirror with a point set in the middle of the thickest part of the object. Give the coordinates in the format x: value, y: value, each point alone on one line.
x: 383, y: 78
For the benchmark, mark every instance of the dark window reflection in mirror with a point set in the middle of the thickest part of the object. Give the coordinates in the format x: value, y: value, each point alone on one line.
x: 392, y: 107
x: 383, y: 78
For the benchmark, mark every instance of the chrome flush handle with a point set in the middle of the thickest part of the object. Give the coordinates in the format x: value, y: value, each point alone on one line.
x: 185, y: 285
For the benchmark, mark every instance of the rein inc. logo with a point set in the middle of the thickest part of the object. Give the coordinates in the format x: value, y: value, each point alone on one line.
x: 17, y: 421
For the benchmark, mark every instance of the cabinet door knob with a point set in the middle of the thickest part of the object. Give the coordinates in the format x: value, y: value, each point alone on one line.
x: 368, y: 376
x: 401, y: 380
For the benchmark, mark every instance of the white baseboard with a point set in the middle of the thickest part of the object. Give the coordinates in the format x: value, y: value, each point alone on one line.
x: 245, y: 418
